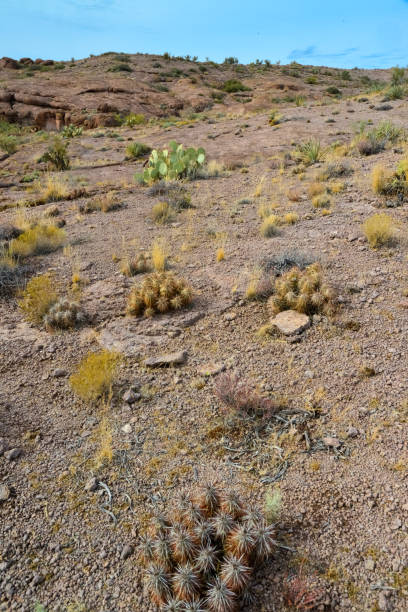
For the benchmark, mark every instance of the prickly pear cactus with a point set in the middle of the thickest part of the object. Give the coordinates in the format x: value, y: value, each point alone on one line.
x: 173, y: 163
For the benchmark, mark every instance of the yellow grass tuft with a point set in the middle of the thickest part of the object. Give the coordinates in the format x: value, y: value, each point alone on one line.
x: 38, y: 297
x: 95, y: 374
x: 315, y: 189
x: 290, y: 218
x: 38, y: 239
x: 380, y: 178
x: 322, y: 201
x: 162, y: 213
x: 159, y: 255
x: 104, y: 453
x: 269, y: 226
x: 265, y: 210
x: 259, y: 188
x: 379, y: 229
x: 53, y: 189
x: 220, y: 254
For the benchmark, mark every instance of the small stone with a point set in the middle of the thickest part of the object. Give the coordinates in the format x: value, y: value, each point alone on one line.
x: 369, y: 565
x: 168, y: 359
x: 230, y: 316
x: 92, y: 484
x: 332, y: 442
x: 38, y: 579
x: 127, y: 550
x: 396, y: 524
x: 211, y: 369
x: 309, y: 374
x: 352, y: 432
x: 130, y: 397
x: 59, y: 373
x: 13, y: 454
x: 290, y: 322
x: 127, y: 428
x: 3, y: 446
x: 383, y: 602
x: 4, y: 492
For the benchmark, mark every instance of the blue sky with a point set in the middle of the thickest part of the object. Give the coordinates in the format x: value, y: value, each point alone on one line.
x: 346, y: 33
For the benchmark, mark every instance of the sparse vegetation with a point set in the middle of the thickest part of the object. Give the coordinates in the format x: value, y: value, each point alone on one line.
x: 162, y: 213
x: 38, y: 239
x: 379, y: 230
x: 136, y: 150
x: 57, y: 155
x: 95, y: 375
x: 173, y: 163
x: 134, y: 119
x: 38, y: 297
x: 269, y: 226
x: 159, y: 292
x: 71, y: 131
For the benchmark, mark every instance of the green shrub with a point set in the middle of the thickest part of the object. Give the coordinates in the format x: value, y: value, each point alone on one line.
x: 71, y: 131
x: 310, y: 152
x: 173, y: 163
x: 312, y: 80
x: 233, y: 85
x: 134, y: 119
x: 397, y: 75
x: 8, y: 143
x: 57, y: 155
x: 136, y: 150
x: 395, y: 92
x: 334, y: 91
x: 122, y: 67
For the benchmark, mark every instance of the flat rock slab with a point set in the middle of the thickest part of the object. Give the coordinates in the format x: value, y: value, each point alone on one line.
x: 290, y: 322
x: 211, y: 369
x: 168, y: 359
x: 124, y: 337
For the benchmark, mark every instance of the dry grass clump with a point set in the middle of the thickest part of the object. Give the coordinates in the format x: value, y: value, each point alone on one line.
x: 159, y: 292
x: 202, y: 556
x: 335, y: 169
x: 321, y: 201
x: 39, y: 238
x: 162, y: 213
x: 95, y: 374
x: 315, y: 189
x: 136, y: 150
x: 266, y: 209
x: 303, y: 291
x: 294, y: 195
x: 379, y: 229
x: 53, y: 190
x: 291, y: 218
x: 269, y: 226
x: 38, y: 297
x: 240, y: 400
x: 130, y: 266
x: 220, y: 255
x: 159, y: 255
x: 260, y: 286
x: 105, y: 203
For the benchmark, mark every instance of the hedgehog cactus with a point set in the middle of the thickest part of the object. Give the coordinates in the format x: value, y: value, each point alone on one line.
x: 158, y: 293
x: 63, y: 314
x: 202, y: 559
x: 303, y: 291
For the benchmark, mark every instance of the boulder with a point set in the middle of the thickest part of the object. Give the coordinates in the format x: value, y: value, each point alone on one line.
x: 291, y: 322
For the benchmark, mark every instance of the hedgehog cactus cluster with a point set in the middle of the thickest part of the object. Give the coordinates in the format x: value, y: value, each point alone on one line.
x: 201, y: 559
x: 158, y: 293
x: 304, y: 291
x: 135, y: 265
x: 63, y: 314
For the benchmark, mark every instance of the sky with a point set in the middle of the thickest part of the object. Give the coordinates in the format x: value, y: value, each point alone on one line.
x: 338, y: 33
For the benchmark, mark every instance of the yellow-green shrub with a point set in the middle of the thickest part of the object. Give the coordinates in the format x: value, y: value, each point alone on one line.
x: 269, y: 226
x: 95, y: 374
x: 38, y: 297
x: 38, y: 239
x: 379, y: 229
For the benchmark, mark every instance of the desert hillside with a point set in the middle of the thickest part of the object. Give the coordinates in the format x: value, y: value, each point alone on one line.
x: 227, y: 316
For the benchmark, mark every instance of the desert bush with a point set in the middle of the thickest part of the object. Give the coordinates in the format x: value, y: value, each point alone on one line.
x: 57, y: 155
x: 37, y: 298
x: 309, y: 152
x: 274, y: 117
x: 8, y: 143
x: 321, y: 201
x: 370, y: 145
x: 10, y: 275
x: 234, y: 85
x: 106, y: 202
x: 95, y: 374
x: 202, y: 554
x: 71, y: 131
x: 388, y: 183
x: 292, y: 258
x: 134, y: 119
x: 130, y: 266
x: 213, y: 169
x: 173, y: 163
x: 260, y: 286
x: 240, y: 400
x: 290, y: 218
x: 121, y: 67
x: 335, y: 170
x: 395, y: 92
x: 162, y: 213
x: 294, y: 195
x: 388, y: 131
x: 37, y: 239
x: 159, y: 292
x: 311, y: 80
x: 136, y: 150
x: 397, y: 75
x: 269, y: 226
x: 303, y: 291
x: 379, y: 229
x: 172, y: 192
x: 333, y: 91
